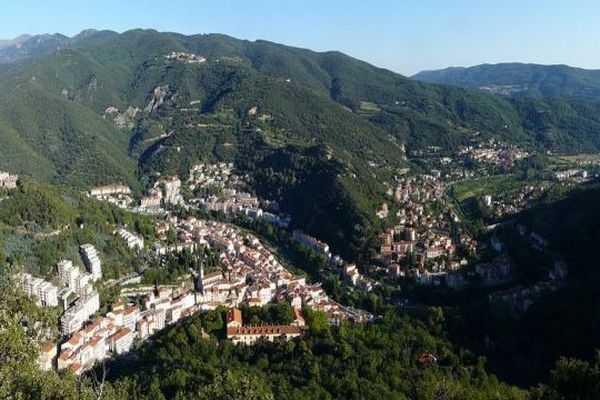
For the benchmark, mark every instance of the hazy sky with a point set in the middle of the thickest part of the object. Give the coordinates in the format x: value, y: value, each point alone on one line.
x: 403, y: 35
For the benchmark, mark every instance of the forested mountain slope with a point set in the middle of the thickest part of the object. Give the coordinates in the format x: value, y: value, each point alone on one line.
x: 521, y: 80
x: 319, y: 130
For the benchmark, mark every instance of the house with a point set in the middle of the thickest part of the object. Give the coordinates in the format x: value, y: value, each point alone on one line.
x: 110, y: 190
x: 153, y: 199
x: 234, y: 318
x: 121, y: 341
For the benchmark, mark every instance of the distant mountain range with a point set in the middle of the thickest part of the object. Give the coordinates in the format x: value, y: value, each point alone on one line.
x: 521, y: 80
x: 28, y: 46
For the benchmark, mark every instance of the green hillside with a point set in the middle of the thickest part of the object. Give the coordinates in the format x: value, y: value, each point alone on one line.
x: 521, y: 80
x: 290, y: 117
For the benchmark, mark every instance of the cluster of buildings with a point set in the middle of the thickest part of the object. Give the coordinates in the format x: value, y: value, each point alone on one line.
x: 353, y: 276
x: 71, y: 280
x: 418, y: 188
x: 521, y: 297
x: 348, y: 271
x: 514, y: 202
x: 479, y: 158
x: 251, y: 274
x: 72, y: 277
x: 166, y: 191
x: 218, y: 188
x: 312, y: 243
x: 493, y: 152
x: 237, y: 332
x: 114, y: 333
x: 572, y: 175
x: 205, y: 178
x: 425, y: 242
x: 8, y: 181
x: 495, y: 271
x: 189, y: 58
x: 430, y: 250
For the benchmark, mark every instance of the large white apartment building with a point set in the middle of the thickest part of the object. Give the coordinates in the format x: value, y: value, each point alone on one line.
x: 74, y: 318
x: 121, y: 341
x: 45, y: 293
x: 71, y: 276
x: 91, y: 259
x: 68, y: 274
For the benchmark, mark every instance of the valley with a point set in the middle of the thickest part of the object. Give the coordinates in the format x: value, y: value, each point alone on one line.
x: 186, y: 214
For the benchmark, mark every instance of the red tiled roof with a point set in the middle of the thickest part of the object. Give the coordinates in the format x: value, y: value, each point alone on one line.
x: 121, y: 334
x: 264, y: 330
x: 48, y: 347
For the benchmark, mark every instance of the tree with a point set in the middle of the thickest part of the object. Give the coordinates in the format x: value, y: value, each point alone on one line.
x: 230, y: 385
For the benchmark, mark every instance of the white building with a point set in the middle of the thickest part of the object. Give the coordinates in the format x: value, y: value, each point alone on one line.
x: 110, y: 189
x: 133, y: 241
x: 8, y: 181
x: 121, y: 341
x: 91, y: 259
x: 311, y: 242
x: 71, y: 276
x: 68, y: 274
x: 153, y: 199
x: 74, y: 318
x: 45, y: 292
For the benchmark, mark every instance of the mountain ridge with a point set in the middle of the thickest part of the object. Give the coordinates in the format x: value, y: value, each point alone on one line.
x: 521, y: 79
x: 124, y: 107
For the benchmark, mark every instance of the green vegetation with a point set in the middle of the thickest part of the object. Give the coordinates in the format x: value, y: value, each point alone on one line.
x: 523, y: 346
x: 522, y: 80
x: 359, y: 117
x: 319, y: 133
x: 378, y: 361
x: 40, y: 225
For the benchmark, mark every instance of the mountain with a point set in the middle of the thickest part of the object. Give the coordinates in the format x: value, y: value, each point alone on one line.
x: 104, y: 107
x: 521, y: 80
x: 27, y: 46
x: 296, y: 120
x: 16, y: 41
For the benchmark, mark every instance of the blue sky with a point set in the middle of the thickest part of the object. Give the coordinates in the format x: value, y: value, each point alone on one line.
x: 402, y: 35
